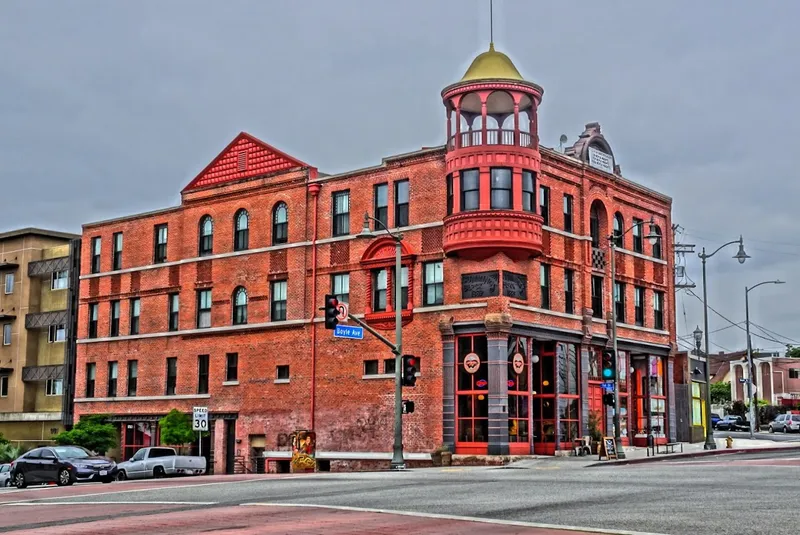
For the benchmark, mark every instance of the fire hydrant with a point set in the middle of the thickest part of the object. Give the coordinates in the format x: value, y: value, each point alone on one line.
x: 729, y: 442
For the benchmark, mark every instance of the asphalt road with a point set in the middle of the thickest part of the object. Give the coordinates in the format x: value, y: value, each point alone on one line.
x: 775, y: 437
x: 712, y: 494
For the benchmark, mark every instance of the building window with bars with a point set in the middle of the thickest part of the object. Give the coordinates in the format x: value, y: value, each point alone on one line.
x: 278, y: 301
x: 341, y: 213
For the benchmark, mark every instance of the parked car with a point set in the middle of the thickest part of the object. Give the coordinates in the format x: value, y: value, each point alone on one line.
x: 160, y: 462
x: 5, y: 475
x: 785, y: 423
x: 732, y: 423
x: 63, y: 465
x: 714, y: 419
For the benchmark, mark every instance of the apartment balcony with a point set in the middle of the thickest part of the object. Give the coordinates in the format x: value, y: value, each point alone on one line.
x: 480, y: 234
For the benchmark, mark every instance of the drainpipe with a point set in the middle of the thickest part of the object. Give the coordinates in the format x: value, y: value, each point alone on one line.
x: 314, y: 190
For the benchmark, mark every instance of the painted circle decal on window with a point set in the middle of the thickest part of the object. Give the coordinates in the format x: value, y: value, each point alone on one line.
x: 518, y: 363
x: 481, y: 383
x: 511, y: 383
x: 472, y: 362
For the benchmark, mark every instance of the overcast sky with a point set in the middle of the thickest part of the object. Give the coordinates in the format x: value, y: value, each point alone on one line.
x: 110, y: 108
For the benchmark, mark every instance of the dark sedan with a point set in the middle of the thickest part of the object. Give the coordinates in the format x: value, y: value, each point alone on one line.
x: 63, y: 465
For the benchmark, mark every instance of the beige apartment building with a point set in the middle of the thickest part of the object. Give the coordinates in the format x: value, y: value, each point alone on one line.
x: 37, y: 319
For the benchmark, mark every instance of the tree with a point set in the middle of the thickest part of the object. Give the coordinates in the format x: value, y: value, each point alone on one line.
x: 94, y: 433
x: 792, y: 352
x: 720, y: 393
x: 9, y: 453
x: 176, y: 428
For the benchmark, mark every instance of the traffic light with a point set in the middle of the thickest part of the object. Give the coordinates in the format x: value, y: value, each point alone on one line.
x: 608, y: 399
x: 408, y: 406
x: 409, y: 370
x: 609, y: 366
x: 331, y: 311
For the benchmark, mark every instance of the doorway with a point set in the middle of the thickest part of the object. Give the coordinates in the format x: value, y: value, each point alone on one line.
x: 230, y: 446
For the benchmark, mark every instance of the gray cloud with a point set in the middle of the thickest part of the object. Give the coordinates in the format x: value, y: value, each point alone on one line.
x: 111, y: 108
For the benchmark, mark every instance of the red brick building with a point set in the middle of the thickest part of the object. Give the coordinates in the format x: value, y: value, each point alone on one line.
x: 215, y: 302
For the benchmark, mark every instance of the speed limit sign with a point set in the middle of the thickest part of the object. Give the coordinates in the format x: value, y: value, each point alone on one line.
x: 200, y: 419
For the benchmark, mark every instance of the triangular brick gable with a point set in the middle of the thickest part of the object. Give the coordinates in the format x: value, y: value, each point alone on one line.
x: 246, y: 156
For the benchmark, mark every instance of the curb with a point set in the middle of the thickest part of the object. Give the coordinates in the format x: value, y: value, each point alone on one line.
x: 705, y: 453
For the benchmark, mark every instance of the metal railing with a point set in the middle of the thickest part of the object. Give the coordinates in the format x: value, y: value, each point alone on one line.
x: 494, y: 136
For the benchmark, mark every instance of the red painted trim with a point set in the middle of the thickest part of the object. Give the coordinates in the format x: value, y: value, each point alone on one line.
x: 241, y: 136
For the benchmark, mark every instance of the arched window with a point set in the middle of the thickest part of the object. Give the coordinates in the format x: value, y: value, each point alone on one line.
x: 594, y: 225
x: 619, y: 228
x: 241, y: 235
x: 240, y: 306
x: 657, y: 244
x: 280, y: 224
x: 206, y: 235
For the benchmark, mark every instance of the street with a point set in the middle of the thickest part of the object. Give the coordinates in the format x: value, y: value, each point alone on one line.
x: 775, y: 437
x: 682, y: 496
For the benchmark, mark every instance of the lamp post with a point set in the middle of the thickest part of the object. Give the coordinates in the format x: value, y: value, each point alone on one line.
x: 751, y: 391
x: 652, y: 237
x: 741, y: 256
x: 398, y: 463
x: 698, y: 340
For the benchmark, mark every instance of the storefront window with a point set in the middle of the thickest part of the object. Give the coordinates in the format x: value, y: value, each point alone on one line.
x: 518, y: 398
x: 568, y: 400
x: 650, y: 399
x: 544, y: 398
x: 697, y: 405
x: 594, y: 365
x: 473, y: 389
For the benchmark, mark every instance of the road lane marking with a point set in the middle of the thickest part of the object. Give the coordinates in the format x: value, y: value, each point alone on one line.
x: 21, y: 504
x: 149, y: 489
x: 454, y: 517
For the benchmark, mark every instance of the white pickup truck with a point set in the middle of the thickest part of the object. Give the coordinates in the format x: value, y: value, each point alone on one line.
x: 160, y: 462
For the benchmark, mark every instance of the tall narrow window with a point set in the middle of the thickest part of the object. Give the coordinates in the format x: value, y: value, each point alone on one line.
x: 160, y: 244
x: 241, y: 238
x: 280, y: 224
x: 501, y: 198
x: 470, y: 190
x: 401, y: 197
x: 658, y: 310
x: 133, y: 377
x: 597, y: 296
x: 568, y: 213
x: 278, y: 301
x: 60, y: 280
x: 9, y: 287
x: 92, y: 320
x: 174, y: 311
x: 96, y: 249
x: 544, y: 203
x: 619, y: 301
x: 7, y: 334
x: 112, y: 379
x: 381, y: 212
x: 594, y: 225
x: 203, y: 309
x: 239, y: 306
x: 544, y: 285
x: 527, y: 191
x: 341, y: 213
x: 232, y: 367
x: 113, y: 329
x: 91, y: 372
x: 638, y: 244
x: 116, y: 251
x: 449, y: 194
x: 3, y: 386
x: 403, y: 287
x: 202, y: 374
x: 433, y: 284
x: 172, y: 375
x: 340, y: 287
x: 638, y: 303
x: 379, y: 281
x: 569, y: 291
x: 619, y: 228
x: 657, y: 244
x: 206, y: 245
x: 57, y: 333
x: 136, y: 311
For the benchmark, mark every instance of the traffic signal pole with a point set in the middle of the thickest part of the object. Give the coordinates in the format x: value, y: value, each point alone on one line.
x: 617, y: 433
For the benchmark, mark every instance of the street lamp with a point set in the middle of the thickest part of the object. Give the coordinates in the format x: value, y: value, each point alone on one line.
x: 652, y: 236
x: 698, y: 338
x: 741, y: 256
x: 751, y: 371
x: 398, y: 463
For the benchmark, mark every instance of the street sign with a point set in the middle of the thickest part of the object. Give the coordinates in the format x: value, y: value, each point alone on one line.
x: 744, y: 380
x: 607, y: 386
x: 344, y: 309
x: 200, y: 419
x: 346, y: 331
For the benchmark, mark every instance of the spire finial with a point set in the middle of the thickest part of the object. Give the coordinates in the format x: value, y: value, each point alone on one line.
x: 491, y: 25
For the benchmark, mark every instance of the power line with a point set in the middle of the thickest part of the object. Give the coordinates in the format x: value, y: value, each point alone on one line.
x: 731, y: 322
x: 767, y: 331
x: 717, y: 330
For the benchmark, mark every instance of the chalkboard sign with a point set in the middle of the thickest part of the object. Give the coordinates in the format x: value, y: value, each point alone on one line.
x: 515, y: 285
x: 608, y: 448
x: 477, y: 285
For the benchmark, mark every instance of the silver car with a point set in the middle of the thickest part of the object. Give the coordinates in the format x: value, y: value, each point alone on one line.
x: 785, y: 423
x: 5, y: 475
